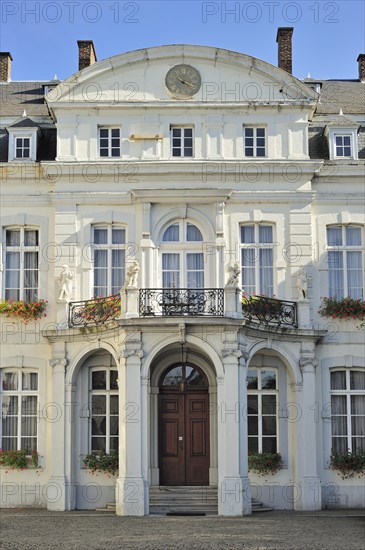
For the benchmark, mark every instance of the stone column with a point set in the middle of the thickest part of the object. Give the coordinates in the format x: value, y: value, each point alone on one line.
x: 307, y: 493
x: 58, y: 486
x: 231, y: 484
x: 131, y: 488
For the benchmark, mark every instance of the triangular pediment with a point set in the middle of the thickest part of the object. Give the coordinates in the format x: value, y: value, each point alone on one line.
x: 139, y: 76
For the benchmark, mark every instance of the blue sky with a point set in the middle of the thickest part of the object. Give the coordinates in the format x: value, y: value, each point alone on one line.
x: 41, y: 35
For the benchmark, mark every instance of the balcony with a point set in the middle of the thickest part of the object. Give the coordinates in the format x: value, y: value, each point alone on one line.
x: 94, y: 312
x: 270, y: 311
x: 181, y: 301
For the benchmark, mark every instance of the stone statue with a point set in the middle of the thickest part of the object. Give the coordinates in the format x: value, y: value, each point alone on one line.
x: 65, y: 283
x: 302, y: 284
x: 234, y: 273
x: 132, y: 275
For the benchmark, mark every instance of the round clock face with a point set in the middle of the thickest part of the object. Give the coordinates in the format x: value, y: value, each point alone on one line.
x: 183, y: 81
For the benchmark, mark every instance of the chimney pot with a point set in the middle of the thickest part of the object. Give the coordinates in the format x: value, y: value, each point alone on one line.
x: 5, y: 66
x: 284, y: 40
x: 361, y: 62
x: 87, y: 54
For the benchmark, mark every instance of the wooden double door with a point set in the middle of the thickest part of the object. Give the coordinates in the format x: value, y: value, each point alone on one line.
x: 184, y: 427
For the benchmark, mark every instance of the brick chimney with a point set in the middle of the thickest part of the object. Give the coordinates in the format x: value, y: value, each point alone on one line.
x: 285, y: 58
x: 87, y: 54
x: 5, y: 66
x: 361, y: 62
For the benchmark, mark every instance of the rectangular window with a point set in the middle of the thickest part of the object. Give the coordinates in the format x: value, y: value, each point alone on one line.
x: 21, y: 264
x: 109, y: 142
x: 109, y: 259
x: 255, y: 141
x: 262, y: 410
x: 348, y: 410
x: 19, y: 398
x: 22, y: 147
x: 104, y: 411
x: 257, y: 259
x: 345, y: 261
x: 182, y: 141
x: 343, y: 146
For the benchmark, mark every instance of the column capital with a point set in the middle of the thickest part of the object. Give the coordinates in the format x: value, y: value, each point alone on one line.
x: 308, y: 361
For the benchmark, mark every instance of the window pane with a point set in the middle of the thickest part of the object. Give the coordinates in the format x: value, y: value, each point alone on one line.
x: 114, y: 407
x: 104, y: 132
x: 357, y: 380
x: 113, y: 444
x: 30, y: 381
x: 118, y: 236
x: 353, y: 236
x: 358, y: 425
x: 269, y: 445
x: 98, y: 425
x: 100, y: 236
x: 10, y: 426
x: 98, y: 405
x: 339, y: 425
x: 339, y: 444
x: 98, y: 444
x: 268, y: 425
x: 358, y: 444
x: 338, y: 404
x: 358, y: 404
x: 29, y: 444
x: 172, y: 233
x: 98, y: 380
x: 253, y: 425
x: 194, y: 377
x: 252, y: 379
x: 10, y: 381
x: 265, y: 234
x: 334, y: 236
x: 10, y: 405
x: 29, y: 405
x: 114, y: 424
x: 113, y: 379
x: 30, y: 237
x: 173, y: 377
x: 193, y: 233
x: 253, y: 444
x: 268, y: 380
x: 13, y: 237
x: 29, y: 426
x: 269, y: 404
x: 338, y: 380
x: 252, y: 404
x: 247, y: 234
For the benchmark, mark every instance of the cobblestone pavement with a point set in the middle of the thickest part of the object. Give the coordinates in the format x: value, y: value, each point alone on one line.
x: 30, y: 529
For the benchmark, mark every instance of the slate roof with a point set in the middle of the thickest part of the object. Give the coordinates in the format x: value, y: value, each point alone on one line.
x: 15, y: 97
x: 348, y: 95
x: 24, y: 122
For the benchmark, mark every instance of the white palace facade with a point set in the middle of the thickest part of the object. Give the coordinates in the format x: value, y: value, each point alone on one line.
x: 174, y: 182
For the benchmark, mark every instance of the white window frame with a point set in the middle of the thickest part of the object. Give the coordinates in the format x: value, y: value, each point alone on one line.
x: 257, y: 246
x: 183, y: 128
x: 332, y: 133
x: 260, y: 393
x: 107, y: 392
x: 344, y: 249
x: 255, y: 138
x: 182, y: 247
x: 21, y: 133
x: 109, y: 138
x: 109, y: 247
x: 19, y: 393
x: 21, y: 249
x: 348, y: 392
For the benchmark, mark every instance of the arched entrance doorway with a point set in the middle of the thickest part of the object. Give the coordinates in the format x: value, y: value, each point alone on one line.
x: 184, y: 426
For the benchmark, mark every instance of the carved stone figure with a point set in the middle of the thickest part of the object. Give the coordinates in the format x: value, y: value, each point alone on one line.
x: 65, y: 283
x: 234, y: 273
x: 132, y: 275
x: 302, y: 284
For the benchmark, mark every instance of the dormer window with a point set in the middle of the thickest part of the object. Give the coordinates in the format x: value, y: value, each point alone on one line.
x: 23, y: 138
x: 22, y: 147
x: 342, y: 138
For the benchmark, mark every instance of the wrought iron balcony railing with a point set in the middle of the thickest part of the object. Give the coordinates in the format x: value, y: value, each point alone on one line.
x: 270, y: 311
x: 96, y: 311
x: 181, y: 301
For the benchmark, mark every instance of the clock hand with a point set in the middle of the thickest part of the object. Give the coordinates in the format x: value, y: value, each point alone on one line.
x: 184, y: 82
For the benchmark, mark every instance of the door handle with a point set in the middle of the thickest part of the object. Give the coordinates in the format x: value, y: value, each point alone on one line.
x: 180, y: 438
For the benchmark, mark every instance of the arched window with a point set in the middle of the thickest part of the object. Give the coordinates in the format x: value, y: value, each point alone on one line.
x: 183, y: 266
